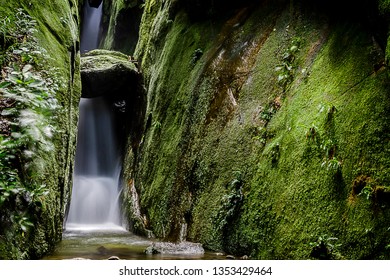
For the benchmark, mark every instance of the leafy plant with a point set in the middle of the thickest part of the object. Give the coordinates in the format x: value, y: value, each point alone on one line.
x: 156, y: 125
x: 269, y: 111
x: 231, y: 202
x: 196, y: 56
x: 378, y: 194
x: 330, y: 161
x: 17, y: 31
x: 367, y: 192
x: 275, y: 154
x: 312, y: 133
x: 332, y: 164
x: 286, y: 69
x: 325, y: 248
x: 329, y: 148
x: 28, y: 107
x: 22, y: 221
x: 260, y: 134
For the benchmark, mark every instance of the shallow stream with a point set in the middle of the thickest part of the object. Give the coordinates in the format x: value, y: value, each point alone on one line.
x: 101, y: 245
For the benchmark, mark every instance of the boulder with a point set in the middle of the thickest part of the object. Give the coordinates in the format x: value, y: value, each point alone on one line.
x: 116, y: 77
x: 108, y: 73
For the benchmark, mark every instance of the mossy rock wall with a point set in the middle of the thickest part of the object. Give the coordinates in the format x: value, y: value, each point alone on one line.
x: 121, y: 19
x: 58, y: 34
x: 266, y: 130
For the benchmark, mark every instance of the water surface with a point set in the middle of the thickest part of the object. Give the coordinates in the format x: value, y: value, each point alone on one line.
x: 101, y: 244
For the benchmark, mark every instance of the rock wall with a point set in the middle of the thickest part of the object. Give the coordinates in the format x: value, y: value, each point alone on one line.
x: 121, y: 25
x: 265, y: 131
x: 58, y: 34
x: 266, y: 128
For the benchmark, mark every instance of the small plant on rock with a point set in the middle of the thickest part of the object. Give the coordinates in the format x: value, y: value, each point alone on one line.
x: 231, y: 202
x: 196, y: 56
x: 325, y: 248
x: 286, y: 69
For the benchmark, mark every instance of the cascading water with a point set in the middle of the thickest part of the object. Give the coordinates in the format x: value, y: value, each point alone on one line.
x: 91, y: 28
x: 95, y: 194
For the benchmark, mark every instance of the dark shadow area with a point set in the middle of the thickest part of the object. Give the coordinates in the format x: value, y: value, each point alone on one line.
x: 127, y: 30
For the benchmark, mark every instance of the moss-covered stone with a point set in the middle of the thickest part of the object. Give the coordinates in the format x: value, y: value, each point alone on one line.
x: 384, y: 12
x: 58, y: 35
x: 218, y: 106
x: 107, y: 72
x: 117, y: 77
x: 121, y: 25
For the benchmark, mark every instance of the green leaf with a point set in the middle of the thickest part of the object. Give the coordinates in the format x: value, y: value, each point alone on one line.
x: 293, y: 49
x: 36, y: 84
x: 5, y: 84
x: 9, y: 112
x: 23, y: 227
x: 27, y: 68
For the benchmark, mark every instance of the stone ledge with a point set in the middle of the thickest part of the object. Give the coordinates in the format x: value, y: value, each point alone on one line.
x: 107, y: 73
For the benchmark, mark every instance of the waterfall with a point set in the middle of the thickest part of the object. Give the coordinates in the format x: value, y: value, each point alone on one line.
x: 95, y: 193
x: 91, y: 27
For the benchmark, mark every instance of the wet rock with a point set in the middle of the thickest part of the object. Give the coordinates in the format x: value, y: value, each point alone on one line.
x: 113, y: 258
x: 151, y: 251
x: 230, y: 257
x: 139, y: 222
x: 112, y: 75
x: 182, y: 248
x: 106, y: 73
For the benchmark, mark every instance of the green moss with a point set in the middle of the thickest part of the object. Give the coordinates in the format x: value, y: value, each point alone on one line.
x: 298, y: 146
x: 58, y: 35
x: 384, y: 11
x: 168, y: 112
x: 121, y: 28
x: 100, y: 60
x: 384, y: 7
x: 307, y: 200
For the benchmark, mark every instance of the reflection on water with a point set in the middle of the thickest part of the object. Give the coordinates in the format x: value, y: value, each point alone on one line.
x: 101, y: 245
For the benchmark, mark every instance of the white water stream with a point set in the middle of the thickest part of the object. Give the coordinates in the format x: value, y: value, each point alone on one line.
x: 95, y: 194
x: 91, y: 27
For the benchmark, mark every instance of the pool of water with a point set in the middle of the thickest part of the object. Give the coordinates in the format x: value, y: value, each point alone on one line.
x: 100, y: 245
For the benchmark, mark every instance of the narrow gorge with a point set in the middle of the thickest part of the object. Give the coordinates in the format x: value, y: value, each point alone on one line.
x: 194, y: 129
